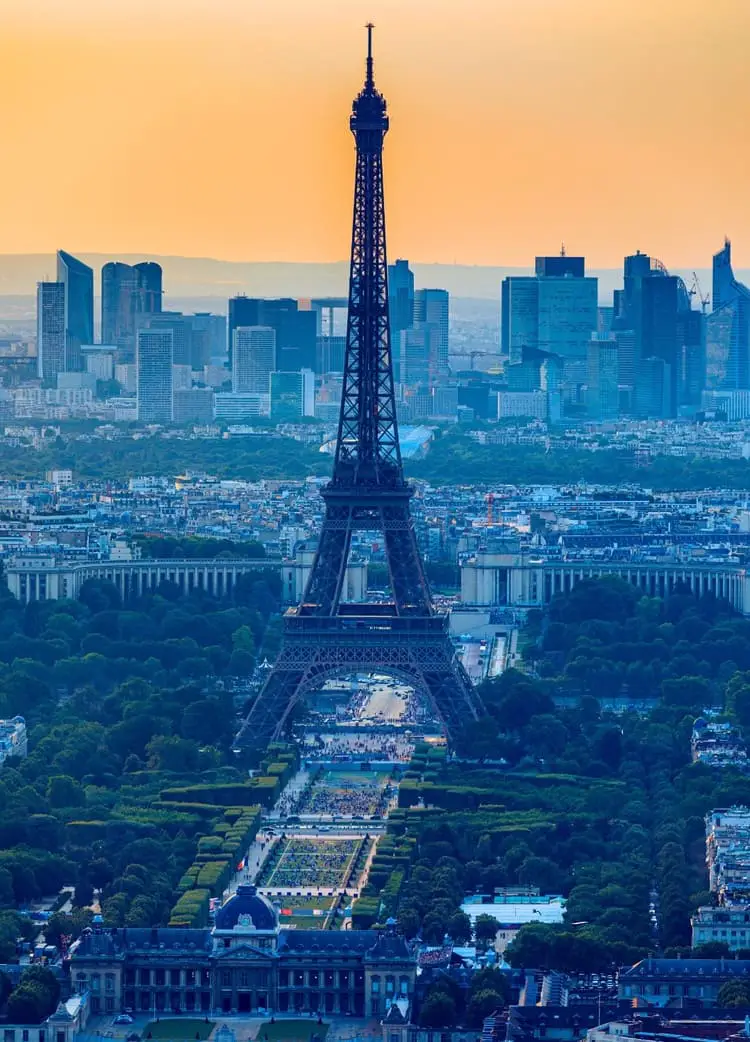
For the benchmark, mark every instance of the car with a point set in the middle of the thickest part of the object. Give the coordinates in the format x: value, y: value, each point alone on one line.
x: 123, y: 1018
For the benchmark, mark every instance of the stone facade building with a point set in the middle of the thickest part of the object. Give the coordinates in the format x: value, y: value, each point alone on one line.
x: 245, y: 963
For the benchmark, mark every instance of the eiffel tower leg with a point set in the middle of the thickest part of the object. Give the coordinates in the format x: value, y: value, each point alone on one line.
x: 411, y: 593
x: 269, y: 713
x: 326, y: 581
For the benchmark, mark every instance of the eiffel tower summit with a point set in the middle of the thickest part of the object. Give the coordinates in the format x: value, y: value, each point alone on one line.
x: 324, y: 637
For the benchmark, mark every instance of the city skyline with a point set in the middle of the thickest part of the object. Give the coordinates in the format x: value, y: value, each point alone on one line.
x: 610, y: 129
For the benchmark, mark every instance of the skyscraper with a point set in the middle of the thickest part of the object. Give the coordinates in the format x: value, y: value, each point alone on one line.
x: 154, y: 360
x: 419, y: 354
x: 296, y: 331
x: 655, y: 307
x: 602, y: 393
x: 182, y: 333
x: 78, y: 279
x: 253, y: 359
x: 555, y: 310
x: 50, y: 329
x: 292, y: 395
x: 728, y: 328
x: 400, y: 306
x: 130, y: 294
x: 150, y: 286
x: 432, y: 306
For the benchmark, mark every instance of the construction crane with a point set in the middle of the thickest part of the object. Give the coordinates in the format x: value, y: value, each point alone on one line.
x: 696, y: 291
x: 490, y: 508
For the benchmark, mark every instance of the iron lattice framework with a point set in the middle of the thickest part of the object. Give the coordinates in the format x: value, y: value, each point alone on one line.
x: 324, y: 637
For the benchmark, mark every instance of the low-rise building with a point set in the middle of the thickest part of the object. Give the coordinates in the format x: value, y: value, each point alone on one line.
x: 681, y: 983
x: 245, y: 964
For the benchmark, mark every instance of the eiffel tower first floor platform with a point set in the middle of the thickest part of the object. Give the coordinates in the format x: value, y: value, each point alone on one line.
x: 362, y: 638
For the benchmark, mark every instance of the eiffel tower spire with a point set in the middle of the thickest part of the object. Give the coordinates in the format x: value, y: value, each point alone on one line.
x: 324, y: 636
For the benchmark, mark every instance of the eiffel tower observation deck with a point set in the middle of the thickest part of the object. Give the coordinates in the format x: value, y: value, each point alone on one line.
x: 323, y: 637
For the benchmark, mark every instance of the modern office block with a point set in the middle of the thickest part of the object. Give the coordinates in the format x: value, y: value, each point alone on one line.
x: 602, y: 390
x: 50, y: 329
x: 296, y: 330
x: 401, y: 307
x: 727, y: 328
x: 432, y: 307
x: 182, y: 333
x: 130, y: 294
x: 154, y: 361
x: 238, y: 408
x: 195, y: 405
x: 78, y: 280
x: 555, y: 311
x: 253, y: 359
x: 292, y: 395
x: 208, y: 339
x: 419, y: 354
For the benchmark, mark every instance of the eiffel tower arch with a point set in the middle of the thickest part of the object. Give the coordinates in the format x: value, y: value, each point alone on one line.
x: 323, y: 637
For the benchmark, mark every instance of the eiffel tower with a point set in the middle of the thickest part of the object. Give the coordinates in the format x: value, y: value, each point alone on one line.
x: 324, y: 637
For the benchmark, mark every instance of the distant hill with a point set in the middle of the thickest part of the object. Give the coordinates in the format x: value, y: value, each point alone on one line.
x: 203, y: 277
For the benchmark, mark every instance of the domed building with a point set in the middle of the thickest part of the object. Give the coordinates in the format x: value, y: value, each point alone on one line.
x: 245, y: 964
x: 246, y: 918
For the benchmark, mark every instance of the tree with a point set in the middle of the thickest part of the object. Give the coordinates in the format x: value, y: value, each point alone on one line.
x: 64, y: 791
x: 438, y: 1010
x: 28, y: 1004
x: 733, y: 993
x: 485, y: 928
x: 459, y: 927
x: 481, y: 1005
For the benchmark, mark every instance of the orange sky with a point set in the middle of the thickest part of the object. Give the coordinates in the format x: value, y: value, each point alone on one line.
x: 219, y: 127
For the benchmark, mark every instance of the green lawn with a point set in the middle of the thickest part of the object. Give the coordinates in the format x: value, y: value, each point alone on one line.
x: 291, y: 1031
x: 178, y: 1028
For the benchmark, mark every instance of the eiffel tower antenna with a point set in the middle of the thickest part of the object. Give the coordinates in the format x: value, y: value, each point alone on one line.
x: 323, y: 636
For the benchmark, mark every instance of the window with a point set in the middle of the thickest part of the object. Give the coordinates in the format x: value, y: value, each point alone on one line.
x: 244, y: 979
x: 314, y: 978
x: 283, y: 978
x: 109, y: 1005
x: 190, y: 977
x: 159, y: 977
x: 299, y: 978
x: 376, y: 985
x: 144, y: 977
x: 60, y: 1036
x: 390, y: 985
x: 109, y: 983
x: 174, y: 978
x: 404, y: 985
x: 130, y: 976
x: 9, y: 1035
x: 25, y: 1035
x: 95, y: 983
x: 375, y: 1007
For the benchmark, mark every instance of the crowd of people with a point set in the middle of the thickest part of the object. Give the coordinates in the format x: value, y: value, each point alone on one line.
x: 343, y: 794
x: 305, y: 862
x: 392, y: 747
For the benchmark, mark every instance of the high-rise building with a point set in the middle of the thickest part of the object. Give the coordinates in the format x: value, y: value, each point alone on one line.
x: 154, y: 360
x: 602, y: 393
x: 432, y: 306
x: 182, y: 333
x: 150, y: 283
x: 728, y: 328
x: 130, y: 294
x: 253, y: 359
x: 296, y: 330
x: 655, y: 307
x: 208, y: 341
x: 555, y: 310
x: 292, y: 395
x: 401, y: 307
x: 419, y: 354
x: 50, y: 329
x: 519, y: 316
x: 78, y: 279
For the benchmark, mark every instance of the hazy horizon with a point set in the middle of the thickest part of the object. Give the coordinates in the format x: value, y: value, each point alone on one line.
x: 221, y: 129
